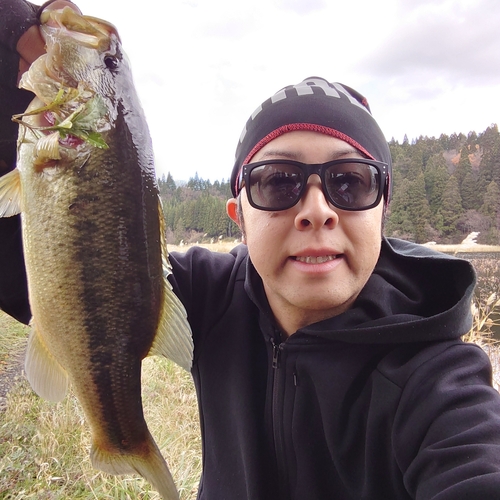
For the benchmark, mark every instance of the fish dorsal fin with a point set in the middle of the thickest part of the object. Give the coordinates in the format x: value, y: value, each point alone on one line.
x: 10, y: 194
x: 173, y: 339
x: 45, y: 375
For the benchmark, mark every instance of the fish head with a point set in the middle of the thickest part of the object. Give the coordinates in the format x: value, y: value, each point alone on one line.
x: 80, y: 49
x: 81, y: 85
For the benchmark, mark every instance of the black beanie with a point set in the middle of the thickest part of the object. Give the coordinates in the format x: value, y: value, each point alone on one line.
x: 314, y: 104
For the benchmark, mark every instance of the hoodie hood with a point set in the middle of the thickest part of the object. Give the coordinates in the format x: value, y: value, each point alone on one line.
x: 415, y: 294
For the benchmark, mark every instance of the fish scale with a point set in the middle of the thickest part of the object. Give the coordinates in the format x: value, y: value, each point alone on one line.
x: 93, y: 239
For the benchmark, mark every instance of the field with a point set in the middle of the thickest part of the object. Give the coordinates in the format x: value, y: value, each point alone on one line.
x: 44, y: 447
x: 222, y: 246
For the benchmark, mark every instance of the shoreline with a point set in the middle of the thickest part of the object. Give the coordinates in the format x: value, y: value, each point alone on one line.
x: 463, y: 248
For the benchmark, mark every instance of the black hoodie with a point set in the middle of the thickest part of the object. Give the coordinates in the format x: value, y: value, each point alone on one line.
x: 381, y: 402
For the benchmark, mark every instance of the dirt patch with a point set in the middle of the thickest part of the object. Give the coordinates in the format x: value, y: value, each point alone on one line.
x: 11, y: 370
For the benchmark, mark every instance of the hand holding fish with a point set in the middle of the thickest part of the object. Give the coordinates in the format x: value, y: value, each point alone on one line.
x: 31, y: 45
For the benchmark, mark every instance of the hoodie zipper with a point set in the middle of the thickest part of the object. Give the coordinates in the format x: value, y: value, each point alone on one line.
x: 277, y: 417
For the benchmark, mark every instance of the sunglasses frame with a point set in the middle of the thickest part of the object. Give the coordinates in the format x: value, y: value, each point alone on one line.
x: 319, y: 169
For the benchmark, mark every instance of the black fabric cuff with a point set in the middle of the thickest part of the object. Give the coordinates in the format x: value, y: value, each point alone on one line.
x: 13, y: 288
x: 16, y: 17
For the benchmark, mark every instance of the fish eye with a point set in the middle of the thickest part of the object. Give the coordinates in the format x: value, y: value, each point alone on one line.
x: 111, y: 62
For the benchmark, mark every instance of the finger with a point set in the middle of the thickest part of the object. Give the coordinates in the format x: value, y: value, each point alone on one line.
x: 31, y: 45
x: 58, y: 4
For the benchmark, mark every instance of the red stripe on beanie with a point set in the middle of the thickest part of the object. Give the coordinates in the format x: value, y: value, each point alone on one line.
x: 294, y: 127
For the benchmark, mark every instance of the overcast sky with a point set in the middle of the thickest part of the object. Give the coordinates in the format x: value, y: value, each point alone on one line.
x: 201, y: 67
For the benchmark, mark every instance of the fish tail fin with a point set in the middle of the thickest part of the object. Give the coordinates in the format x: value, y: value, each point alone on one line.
x: 10, y: 194
x: 173, y: 339
x: 44, y: 373
x: 150, y: 464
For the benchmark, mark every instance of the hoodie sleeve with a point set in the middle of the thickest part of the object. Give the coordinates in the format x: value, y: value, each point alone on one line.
x: 205, y: 283
x: 448, y: 428
x: 16, y: 17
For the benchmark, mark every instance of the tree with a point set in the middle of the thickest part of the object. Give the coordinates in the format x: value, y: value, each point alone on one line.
x: 491, y: 210
x: 491, y: 202
x: 436, y: 176
x: 167, y: 186
x: 451, y: 207
x: 469, y: 191
x: 418, y: 208
x: 399, y: 222
x: 195, y: 182
x: 463, y: 166
x: 489, y: 142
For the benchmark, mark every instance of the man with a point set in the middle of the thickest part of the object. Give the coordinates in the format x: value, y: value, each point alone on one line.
x: 328, y: 360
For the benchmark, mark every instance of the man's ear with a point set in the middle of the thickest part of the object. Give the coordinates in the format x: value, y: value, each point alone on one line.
x: 232, y: 211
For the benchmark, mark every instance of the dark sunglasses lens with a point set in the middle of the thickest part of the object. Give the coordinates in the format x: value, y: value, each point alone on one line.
x: 352, y: 185
x: 276, y: 186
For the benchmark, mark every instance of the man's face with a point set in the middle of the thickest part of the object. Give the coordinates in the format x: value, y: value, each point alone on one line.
x: 313, y: 258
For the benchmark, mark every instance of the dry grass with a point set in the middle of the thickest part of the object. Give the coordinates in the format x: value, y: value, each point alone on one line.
x: 220, y: 246
x: 486, y: 312
x: 12, y: 338
x: 486, y: 317
x: 44, y: 447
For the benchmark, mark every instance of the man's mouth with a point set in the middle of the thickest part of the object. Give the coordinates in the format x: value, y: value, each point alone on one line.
x: 316, y: 260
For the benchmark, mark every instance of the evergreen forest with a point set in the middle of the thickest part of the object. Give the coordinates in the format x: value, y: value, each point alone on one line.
x: 443, y: 189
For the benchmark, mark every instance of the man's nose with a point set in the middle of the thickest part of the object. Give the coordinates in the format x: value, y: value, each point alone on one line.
x: 313, y: 208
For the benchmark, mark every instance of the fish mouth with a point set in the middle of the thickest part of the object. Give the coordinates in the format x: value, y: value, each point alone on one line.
x: 88, y: 31
x: 312, y: 259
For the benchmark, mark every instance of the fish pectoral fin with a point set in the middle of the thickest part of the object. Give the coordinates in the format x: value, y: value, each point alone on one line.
x: 10, y: 194
x: 149, y: 463
x: 44, y: 373
x: 174, y: 338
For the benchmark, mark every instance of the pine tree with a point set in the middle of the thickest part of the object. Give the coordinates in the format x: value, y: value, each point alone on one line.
x: 418, y: 208
x: 436, y: 176
x: 463, y: 166
x: 491, y: 202
x: 399, y: 222
x: 489, y: 142
x: 170, y: 183
x: 451, y: 207
x: 469, y: 192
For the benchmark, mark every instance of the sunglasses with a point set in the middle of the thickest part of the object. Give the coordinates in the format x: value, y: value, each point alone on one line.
x: 349, y: 184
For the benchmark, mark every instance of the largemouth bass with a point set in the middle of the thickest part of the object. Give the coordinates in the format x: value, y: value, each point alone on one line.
x: 93, y: 239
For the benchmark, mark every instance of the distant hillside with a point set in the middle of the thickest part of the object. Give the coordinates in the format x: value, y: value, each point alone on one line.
x: 446, y: 188
x: 443, y: 189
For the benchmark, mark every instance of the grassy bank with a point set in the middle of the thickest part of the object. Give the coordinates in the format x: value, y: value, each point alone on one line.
x: 12, y: 338
x: 44, y: 447
x: 220, y: 246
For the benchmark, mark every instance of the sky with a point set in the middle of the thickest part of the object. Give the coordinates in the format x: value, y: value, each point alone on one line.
x: 201, y: 67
